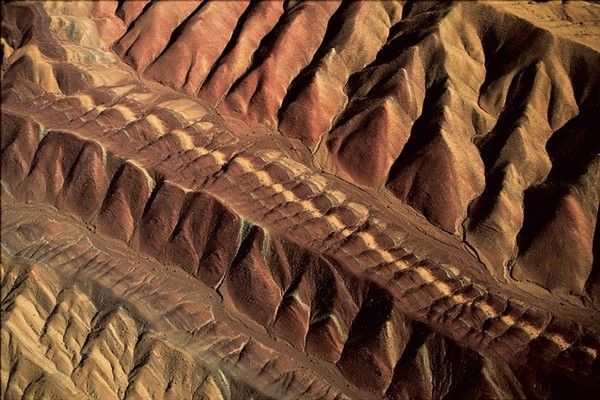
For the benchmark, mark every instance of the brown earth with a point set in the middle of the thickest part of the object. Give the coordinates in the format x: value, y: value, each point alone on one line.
x: 321, y: 200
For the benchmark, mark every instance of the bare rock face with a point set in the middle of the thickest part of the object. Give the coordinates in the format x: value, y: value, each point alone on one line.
x: 300, y: 200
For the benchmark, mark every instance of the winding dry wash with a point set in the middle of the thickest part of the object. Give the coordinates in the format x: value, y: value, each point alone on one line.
x: 300, y: 200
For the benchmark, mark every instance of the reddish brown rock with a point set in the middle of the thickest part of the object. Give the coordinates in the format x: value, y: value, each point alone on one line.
x: 300, y: 199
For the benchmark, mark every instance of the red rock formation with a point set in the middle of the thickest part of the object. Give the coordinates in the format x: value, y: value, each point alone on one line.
x: 223, y: 199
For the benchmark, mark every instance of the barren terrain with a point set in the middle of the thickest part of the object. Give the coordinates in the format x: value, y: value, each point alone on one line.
x: 300, y: 200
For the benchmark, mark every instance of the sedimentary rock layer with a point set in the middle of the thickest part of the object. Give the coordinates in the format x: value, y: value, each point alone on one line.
x: 299, y: 200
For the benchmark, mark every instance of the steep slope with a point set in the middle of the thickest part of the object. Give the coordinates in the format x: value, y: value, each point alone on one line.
x: 298, y: 200
x: 441, y: 104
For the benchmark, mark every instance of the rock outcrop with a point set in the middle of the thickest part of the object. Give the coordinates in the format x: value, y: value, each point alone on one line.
x: 321, y: 199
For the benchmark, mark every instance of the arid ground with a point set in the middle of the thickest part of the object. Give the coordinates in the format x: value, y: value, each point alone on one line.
x: 300, y: 200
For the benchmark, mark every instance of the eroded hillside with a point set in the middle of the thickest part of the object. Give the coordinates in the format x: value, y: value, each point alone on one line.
x: 328, y: 200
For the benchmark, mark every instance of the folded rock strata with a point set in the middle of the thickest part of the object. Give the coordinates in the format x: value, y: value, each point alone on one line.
x: 327, y: 200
